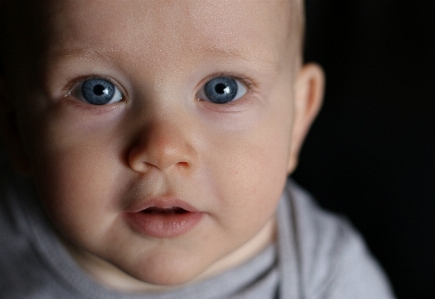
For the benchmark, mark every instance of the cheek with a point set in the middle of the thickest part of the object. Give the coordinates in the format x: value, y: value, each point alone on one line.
x: 60, y: 136
x: 77, y: 188
x: 75, y: 169
x: 249, y: 168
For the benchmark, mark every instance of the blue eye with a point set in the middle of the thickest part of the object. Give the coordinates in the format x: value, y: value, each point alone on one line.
x: 222, y: 90
x: 97, y: 91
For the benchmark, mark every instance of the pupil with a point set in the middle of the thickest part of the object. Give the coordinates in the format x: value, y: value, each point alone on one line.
x: 221, y: 88
x: 99, y: 89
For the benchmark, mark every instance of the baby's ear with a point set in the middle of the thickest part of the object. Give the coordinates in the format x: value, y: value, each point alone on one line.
x: 309, y: 86
x: 9, y: 133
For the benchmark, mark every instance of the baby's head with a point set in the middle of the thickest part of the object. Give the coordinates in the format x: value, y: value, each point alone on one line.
x: 159, y: 133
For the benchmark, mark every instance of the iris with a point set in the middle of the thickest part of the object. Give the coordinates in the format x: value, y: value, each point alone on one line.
x: 221, y: 90
x: 98, y: 91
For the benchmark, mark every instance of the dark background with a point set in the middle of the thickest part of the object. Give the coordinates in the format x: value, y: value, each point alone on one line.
x: 371, y: 153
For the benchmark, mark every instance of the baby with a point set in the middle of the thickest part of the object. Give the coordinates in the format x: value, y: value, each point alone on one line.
x: 156, y: 137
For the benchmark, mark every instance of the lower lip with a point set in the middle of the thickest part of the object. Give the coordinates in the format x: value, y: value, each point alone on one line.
x: 163, y: 225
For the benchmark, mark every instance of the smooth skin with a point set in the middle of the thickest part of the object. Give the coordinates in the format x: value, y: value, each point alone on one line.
x: 229, y: 161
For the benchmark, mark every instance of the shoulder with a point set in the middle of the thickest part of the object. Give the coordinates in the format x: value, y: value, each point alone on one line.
x: 24, y: 271
x: 334, y: 261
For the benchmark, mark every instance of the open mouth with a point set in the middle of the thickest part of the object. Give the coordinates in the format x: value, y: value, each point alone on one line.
x: 164, y: 211
x: 163, y: 222
x: 163, y: 217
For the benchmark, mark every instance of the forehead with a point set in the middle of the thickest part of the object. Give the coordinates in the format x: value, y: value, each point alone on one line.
x: 233, y: 27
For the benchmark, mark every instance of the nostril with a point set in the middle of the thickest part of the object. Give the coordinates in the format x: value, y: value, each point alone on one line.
x: 183, y: 164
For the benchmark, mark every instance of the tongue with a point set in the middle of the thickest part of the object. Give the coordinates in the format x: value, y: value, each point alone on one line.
x: 173, y: 210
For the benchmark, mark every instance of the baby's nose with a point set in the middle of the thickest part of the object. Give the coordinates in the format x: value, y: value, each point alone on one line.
x: 161, y: 144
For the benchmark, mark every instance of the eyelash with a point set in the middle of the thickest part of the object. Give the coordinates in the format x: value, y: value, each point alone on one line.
x: 76, y: 81
x: 250, y: 85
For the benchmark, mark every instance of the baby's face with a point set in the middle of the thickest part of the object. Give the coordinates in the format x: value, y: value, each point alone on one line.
x: 162, y: 135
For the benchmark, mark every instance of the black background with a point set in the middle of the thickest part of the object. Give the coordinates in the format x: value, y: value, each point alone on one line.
x: 371, y: 152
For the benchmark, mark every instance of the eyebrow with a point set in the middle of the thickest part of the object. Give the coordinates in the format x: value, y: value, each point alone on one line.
x: 80, y: 52
x: 247, y: 56
x: 103, y: 55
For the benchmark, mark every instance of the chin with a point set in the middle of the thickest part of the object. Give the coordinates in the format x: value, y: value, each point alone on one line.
x: 168, y: 275
x: 170, y: 280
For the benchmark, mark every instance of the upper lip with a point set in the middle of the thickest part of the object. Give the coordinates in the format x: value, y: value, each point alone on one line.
x: 162, y: 202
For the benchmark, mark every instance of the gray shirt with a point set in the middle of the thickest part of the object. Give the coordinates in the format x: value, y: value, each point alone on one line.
x: 317, y: 255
